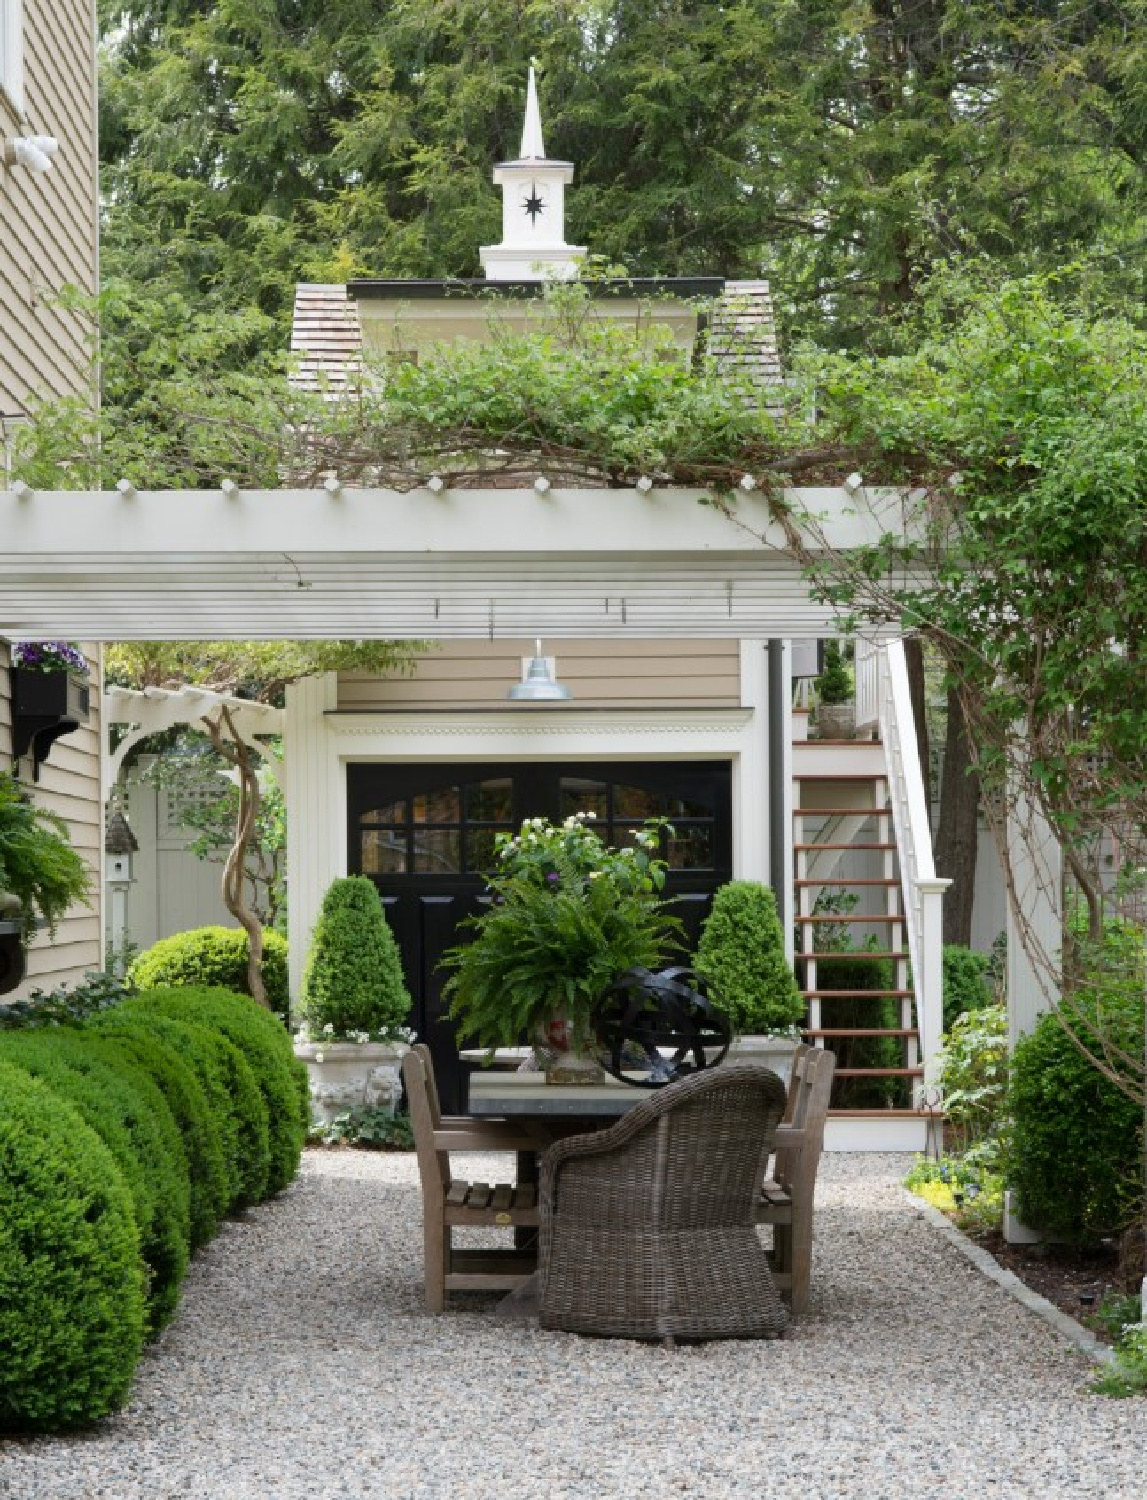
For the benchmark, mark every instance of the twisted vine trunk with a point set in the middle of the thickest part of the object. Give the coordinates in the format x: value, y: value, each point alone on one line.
x: 230, y: 746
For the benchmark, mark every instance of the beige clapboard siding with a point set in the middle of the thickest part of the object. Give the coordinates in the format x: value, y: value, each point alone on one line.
x: 69, y: 785
x: 48, y: 223
x: 600, y: 674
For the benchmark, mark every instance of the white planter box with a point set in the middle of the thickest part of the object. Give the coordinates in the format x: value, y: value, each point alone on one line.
x: 773, y: 1052
x: 352, y: 1075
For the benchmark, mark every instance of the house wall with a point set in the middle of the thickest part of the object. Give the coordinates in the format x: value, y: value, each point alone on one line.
x: 69, y: 785
x: 635, y: 703
x: 48, y: 220
x: 600, y: 674
x: 49, y: 240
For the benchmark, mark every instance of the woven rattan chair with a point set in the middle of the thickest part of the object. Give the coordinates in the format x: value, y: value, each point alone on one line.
x: 647, y: 1227
x: 786, y: 1200
x: 450, y: 1203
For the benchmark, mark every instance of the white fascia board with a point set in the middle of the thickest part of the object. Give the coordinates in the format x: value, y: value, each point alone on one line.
x: 72, y: 524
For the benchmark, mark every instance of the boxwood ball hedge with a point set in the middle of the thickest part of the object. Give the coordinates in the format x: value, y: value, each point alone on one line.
x: 71, y: 1279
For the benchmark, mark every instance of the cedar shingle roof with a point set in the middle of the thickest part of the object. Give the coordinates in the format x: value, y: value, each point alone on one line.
x: 327, y: 336
x: 742, y: 332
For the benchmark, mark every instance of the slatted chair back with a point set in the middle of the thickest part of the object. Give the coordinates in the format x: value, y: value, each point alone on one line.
x: 796, y: 1080
x: 810, y: 1112
x: 425, y: 1119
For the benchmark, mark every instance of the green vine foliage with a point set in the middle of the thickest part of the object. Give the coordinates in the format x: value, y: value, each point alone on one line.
x: 37, y: 862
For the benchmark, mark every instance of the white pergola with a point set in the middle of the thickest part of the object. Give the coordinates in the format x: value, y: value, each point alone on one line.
x: 149, y: 711
x: 426, y: 564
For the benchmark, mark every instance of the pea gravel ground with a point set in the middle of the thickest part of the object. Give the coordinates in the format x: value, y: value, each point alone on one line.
x: 301, y: 1364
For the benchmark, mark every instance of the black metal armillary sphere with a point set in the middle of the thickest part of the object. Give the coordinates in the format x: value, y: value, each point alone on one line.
x: 645, y: 1015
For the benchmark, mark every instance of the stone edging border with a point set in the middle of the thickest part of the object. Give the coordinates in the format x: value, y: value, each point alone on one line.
x: 1083, y: 1339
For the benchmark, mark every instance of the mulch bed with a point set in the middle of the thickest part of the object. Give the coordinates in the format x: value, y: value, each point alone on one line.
x: 1075, y: 1281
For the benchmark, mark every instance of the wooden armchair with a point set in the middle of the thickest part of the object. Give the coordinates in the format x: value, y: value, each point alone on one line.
x: 648, y: 1226
x: 787, y: 1196
x: 449, y: 1203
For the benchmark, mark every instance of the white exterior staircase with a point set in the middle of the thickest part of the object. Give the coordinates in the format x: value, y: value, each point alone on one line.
x: 860, y: 831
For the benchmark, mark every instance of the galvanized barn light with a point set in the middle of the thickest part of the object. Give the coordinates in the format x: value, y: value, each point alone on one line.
x: 539, y: 685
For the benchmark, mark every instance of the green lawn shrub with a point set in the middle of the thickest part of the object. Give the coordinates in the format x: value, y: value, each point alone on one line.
x: 741, y: 956
x: 965, y: 982
x: 213, y: 1175
x: 269, y: 1052
x: 111, y: 1101
x: 354, y: 980
x: 213, y: 957
x: 1077, y: 1139
x: 71, y: 1279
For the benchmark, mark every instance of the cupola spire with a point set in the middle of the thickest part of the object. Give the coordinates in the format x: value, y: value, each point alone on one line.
x: 533, y: 244
x: 533, y: 147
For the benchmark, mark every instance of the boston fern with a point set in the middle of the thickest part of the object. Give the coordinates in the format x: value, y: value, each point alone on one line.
x: 566, y: 915
x: 37, y: 863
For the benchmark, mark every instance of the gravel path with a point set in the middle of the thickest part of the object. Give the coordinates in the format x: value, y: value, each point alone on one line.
x: 302, y: 1365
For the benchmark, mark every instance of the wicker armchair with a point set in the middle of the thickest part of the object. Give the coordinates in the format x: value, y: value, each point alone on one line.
x: 647, y: 1227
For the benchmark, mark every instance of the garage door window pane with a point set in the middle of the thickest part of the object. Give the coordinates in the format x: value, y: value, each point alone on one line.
x: 391, y: 812
x: 437, y: 851
x: 635, y: 802
x: 490, y: 801
x: 384, y: 851
x: 691, y: 847
x: 583, y: 796
x: 439, y: 807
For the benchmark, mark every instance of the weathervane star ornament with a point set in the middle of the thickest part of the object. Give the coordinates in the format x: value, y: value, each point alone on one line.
x: 533, y: 203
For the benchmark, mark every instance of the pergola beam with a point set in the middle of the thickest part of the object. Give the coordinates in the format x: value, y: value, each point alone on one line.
x: 381, y: 564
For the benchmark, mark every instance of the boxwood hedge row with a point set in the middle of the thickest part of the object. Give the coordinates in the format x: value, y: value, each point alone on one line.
x: 123, y: 1143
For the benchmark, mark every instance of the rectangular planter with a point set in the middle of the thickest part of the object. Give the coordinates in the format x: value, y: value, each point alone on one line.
x: 46, y: 705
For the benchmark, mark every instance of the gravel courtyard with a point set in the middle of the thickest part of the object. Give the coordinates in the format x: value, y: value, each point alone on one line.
x: 301, y: 1364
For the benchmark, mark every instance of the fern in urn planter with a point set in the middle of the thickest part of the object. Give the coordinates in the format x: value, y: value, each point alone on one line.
x: 38, y: 866
x: 567, y: 914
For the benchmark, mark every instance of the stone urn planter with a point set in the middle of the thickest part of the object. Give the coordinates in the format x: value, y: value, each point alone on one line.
x: 836, y: 721
x: 773, y: 1052
x: 352, y: 1075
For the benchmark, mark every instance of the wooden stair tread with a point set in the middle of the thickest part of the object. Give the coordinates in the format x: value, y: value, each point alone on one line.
x: 836, y: 956
x: 870, y: 776
x: 858, y: 994
x: 885, y: 880
x: 804, y: 848
x: 842, y: 812
x: 858, y: 1031
x: 885, y: 1114
x: 879, y: 1073
x: 884, y: 916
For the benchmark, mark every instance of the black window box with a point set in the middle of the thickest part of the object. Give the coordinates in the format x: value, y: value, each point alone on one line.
x: 46, y: 705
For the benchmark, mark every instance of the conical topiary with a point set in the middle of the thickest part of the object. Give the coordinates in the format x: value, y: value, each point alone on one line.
x: 353, y: 979
x: 741, y: 956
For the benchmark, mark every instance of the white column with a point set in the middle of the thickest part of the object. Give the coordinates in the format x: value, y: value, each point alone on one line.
x: 1035, y: 908
x: 751, y: 771
x: 311, y: 774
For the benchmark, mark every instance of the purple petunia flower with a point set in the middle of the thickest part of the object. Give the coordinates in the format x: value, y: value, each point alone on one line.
x: 49, y: 656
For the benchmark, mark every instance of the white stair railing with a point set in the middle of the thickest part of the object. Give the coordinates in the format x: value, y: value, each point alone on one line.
x: 867, y: 665
x: 923, y: 891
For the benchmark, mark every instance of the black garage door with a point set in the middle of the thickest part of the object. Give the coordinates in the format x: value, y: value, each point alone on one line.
x: 425, y: 835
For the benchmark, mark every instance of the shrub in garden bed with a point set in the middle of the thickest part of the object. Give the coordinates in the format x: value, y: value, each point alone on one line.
x: 1077, y: 1146
x: 111, y: 1100
x: 212, y: 958
x: 966, y: 984
x: 267, y: 1047
x: 71, y: 1280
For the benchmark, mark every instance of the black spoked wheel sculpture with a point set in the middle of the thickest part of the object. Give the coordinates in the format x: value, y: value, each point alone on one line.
x: 659, y: 1027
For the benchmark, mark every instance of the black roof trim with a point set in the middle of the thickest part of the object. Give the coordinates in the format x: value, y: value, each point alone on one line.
x: 636, y: 286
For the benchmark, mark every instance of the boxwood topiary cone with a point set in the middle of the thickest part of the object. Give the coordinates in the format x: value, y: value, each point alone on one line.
x: 353, y: 979
x: 741, y: 956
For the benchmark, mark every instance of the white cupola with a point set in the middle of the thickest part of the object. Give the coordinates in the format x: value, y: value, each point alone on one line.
x: 533, y: 244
